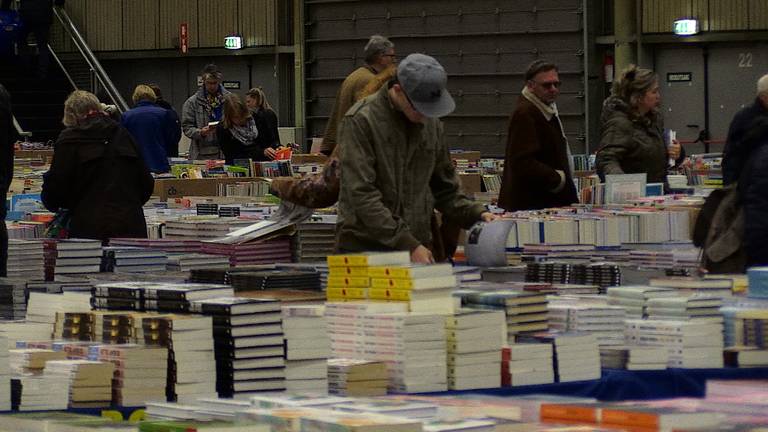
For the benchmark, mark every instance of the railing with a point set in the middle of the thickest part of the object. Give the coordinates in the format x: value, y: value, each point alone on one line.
x: 90, y: 58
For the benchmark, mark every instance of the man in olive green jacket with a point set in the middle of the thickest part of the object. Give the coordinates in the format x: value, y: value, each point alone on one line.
x: 396, y: 165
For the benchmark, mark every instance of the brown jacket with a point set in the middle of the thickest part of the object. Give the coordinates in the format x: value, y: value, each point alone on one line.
x: 536, y: 148
x: 348, y: 94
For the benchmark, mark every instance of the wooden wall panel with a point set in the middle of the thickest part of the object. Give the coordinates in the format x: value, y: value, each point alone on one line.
x: 172, y: 14
x: 140, y: 24
x: 104, y: 24
x: 728, y: 15
x: 216, y: 20
x: 60, y: 40
x: 758, y: 15
x: 257, y: 22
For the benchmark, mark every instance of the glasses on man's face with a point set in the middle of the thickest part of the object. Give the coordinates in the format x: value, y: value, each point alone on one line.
x: 393, y: 56
x: 548, y: 84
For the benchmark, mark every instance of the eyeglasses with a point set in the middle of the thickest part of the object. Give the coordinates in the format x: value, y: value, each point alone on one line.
x: 549, y: 84
x: 389, y: 55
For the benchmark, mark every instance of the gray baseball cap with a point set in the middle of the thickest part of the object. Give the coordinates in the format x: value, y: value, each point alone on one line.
x: 424, y: 81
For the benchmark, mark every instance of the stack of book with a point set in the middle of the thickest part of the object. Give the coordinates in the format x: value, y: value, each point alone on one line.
x: 191, y: 361
x: 526, y: 311
x: 72, y: 256
x: 90, y: 382
x: 354, y: 377
x: 698, y: 309
x: 26, y: 259
x: 758, y: 282
x: 16, y: 331
x: 295, y: 279
x: 315, y: 241
x: 414, y: 347
x: 202, y: 227
x: 271, y: 251
x: 426, y: 288
x: 248, y: 341
x: 114, y: 327
x: 606, y: 323
x: 634, y: 299
x: 123, y: 259
x: 746, y: 356
x: 691, y: 285
x: 177, y: 298
x: 41, y: 393
x: 118, y: 296
x: 42, y: 308
x: 601, y: 274
x: 400, y: 408
x: 634, y: 357
x: 348, y: 277
x: 74, y: 326
x: 336, y: 420
x: 755, y: 328
x: 5, y: 376
x: 307, y: 349
x: 563, y: 289
x: 286, y: 400
x: 475, y: 339
x: 183, y: 262
x: 13, y: 301
x: 529, y: 364
x: 167, y: 245
x: 690, y: 344
x: 140, y: 372
x: 577, y: 355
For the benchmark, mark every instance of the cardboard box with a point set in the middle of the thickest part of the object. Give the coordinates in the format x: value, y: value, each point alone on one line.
x: 177, y: 188
x: 309, y: 159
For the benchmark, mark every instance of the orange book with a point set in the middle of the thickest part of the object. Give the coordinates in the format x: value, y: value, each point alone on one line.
x: 579, y: 413
x: 658, y: 418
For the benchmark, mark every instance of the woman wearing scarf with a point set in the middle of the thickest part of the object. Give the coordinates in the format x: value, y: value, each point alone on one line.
x: 238, y: 134
x: 200, y: 114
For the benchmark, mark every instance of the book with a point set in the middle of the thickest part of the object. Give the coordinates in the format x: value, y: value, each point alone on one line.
x: 370, y: 259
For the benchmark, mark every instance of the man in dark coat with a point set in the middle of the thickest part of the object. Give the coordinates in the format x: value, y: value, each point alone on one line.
x: 173, y: 151
x: 537, y: 167
x: 735, y: 153
x: 753, y: 191
x: 37, y: 17
x: 8, y: 137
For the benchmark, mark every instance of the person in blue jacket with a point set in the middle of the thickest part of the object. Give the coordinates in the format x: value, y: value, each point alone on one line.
x: 154, y: 128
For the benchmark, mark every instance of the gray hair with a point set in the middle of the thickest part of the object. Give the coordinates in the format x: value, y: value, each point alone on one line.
x: 762, y: 85
x: 376, y: 46
x: 78, y: 105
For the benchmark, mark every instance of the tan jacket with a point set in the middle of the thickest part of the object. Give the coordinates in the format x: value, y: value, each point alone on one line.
x: 395, y: 174
x: 348, y: 94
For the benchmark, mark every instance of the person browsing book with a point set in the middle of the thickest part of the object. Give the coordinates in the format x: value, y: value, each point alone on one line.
x: 98, y: 174
x: 537, y: 168
x: 202, y: 112
x: 632, y: 137
x: 238, y: 135
x: 397, y: 167
x: 266, y: 121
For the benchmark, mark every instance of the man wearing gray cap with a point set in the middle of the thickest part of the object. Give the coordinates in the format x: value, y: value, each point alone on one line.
x: 379, y: 54
x: 397, y: 168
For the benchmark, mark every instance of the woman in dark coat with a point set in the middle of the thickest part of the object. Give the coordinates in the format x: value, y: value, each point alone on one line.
x: 753, y: 191
x: 238, y: 134
x: 632, y: 138
x: 97, y: 174
x: 265, y: 117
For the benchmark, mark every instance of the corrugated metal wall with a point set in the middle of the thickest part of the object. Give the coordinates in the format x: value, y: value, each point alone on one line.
x: 485, y: 46
x: 713, y: 15
x: 122, y: 25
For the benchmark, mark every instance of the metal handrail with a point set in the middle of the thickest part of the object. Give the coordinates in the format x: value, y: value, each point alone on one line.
x: 91, y: 59
x: 21, y: 132
x: 61, y: 66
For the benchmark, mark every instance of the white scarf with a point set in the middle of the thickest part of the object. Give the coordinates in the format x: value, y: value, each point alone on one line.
x: 549, y: 111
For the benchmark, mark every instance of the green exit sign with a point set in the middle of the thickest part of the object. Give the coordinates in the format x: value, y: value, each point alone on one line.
x: 233, y: 42
x: 686, y: 27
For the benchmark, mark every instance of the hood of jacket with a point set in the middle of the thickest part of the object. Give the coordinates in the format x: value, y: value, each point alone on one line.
x: 616, y: 108
x: 97, y: 130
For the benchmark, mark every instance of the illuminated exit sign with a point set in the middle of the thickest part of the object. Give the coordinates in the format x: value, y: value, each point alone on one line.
x: 233, y: 42
x: 686, y: 27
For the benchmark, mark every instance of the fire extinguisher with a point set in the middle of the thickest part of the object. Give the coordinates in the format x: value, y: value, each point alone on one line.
x: 608, y: 68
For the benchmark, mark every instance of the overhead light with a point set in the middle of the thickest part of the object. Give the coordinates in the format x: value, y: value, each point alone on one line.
x: 233, y: 42
x: 686, y: 27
